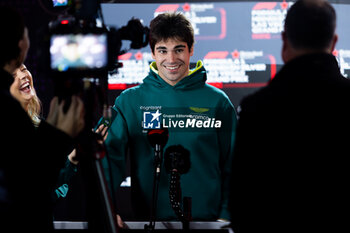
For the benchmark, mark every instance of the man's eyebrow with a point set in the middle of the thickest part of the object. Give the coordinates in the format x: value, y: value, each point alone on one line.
x: 179, y: 46
x: 176, y: 47
x: 161, y: 47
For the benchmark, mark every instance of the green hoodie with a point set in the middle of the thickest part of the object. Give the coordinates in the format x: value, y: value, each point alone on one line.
x: 207, y: 131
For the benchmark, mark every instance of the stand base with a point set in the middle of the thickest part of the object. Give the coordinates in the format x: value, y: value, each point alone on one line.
x: 215, y: 227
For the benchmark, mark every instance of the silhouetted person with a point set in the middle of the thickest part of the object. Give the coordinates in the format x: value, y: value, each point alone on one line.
x: 290, y: 169
x: 31, y: 156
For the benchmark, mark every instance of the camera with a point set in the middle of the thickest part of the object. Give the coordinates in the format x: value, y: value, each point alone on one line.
x: 80, y: 51
x: 80, y: 44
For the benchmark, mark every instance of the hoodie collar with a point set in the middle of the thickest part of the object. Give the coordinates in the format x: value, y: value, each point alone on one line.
x: 196, y: 76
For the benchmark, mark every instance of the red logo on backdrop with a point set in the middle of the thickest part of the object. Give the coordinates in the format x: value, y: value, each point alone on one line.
x: 268, y: 20
x: 186, y: 7
x: 167, y: 8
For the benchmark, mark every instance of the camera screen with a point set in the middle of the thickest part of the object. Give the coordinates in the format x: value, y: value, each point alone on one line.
x: 78, y: 52
x: 57, y: 3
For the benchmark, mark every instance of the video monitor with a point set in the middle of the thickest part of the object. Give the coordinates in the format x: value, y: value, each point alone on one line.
x: 74, y: 52
x: 60, y: 3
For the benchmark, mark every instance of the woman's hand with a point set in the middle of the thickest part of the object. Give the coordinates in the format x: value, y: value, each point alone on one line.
x: 72, y: 122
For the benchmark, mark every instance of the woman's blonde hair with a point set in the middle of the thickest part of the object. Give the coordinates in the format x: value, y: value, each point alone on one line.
x: 34, y: 109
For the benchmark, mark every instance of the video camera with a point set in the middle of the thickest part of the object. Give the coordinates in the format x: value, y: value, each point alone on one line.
x: 80, y: 47
x: 81, y: 44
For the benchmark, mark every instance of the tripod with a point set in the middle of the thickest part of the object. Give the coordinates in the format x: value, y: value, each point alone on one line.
x: 91, y: 152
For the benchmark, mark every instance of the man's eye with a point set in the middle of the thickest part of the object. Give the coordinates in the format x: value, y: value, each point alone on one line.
x: 179, y: 50
x: 162, y: 51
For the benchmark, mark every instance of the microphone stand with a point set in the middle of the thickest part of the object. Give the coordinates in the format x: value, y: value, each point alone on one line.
x: 175, y: 200
x: 156, y: 180
x: 177, y: 161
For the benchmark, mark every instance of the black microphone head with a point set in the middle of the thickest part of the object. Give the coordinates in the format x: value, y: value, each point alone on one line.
x: 158, y: 137
x: 177, y: 157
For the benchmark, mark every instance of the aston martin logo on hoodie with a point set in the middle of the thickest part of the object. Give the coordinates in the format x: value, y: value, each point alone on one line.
x: 199, y: 110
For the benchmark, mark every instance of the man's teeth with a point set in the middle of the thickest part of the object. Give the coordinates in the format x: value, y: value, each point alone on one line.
x: 172, y: 67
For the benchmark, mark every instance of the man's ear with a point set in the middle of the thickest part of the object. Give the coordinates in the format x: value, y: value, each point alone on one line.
x: 334, y: 42
x: 192, y: 51
x: 284, y: 40
x: 285, y: 45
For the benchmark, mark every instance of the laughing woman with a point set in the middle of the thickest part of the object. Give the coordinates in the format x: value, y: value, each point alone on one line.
x: 23, y: 90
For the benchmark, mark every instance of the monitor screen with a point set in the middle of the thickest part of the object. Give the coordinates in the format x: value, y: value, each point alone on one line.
x: 78, y: 52
x: 59, y: 3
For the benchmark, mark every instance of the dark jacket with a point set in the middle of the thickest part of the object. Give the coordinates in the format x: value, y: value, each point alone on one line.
x: 30, y: 161
x: 290, y: 168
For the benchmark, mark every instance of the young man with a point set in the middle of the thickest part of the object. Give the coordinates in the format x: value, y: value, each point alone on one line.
x: 290, y: 166
x: 198, y: 116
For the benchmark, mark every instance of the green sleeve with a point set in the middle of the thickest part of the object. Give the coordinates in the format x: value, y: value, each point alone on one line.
x: 226, y: 139
x: 64, y: 177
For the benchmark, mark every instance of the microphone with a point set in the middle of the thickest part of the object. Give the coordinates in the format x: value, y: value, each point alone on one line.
x: 177, y: 158
x: 158, y: 137
x: 177, y: 162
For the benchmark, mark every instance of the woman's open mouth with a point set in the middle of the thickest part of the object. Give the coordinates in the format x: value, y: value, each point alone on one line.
x: 25, y: 87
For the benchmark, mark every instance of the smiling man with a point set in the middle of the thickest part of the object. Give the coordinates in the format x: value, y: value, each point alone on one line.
x: 172, y: 59
x: 174, y: 97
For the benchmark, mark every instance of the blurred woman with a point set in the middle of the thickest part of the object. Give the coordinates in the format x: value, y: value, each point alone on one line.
x: 23, y: 90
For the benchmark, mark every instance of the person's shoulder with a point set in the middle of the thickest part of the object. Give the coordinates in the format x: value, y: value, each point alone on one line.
x: 132, y: 91
x: 130, y: 95
x: 258, y: 98
x: 215, y: 92
x: 340, y: 87
x: 9, y: 103
x: 344, y: 82
x: 210, y: 89
x: 14, y: 113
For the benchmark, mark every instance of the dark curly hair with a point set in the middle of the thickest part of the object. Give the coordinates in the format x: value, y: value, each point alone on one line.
x: 171, y: 26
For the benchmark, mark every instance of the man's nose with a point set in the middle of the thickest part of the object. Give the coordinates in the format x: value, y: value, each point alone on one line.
x: 171, y: 56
